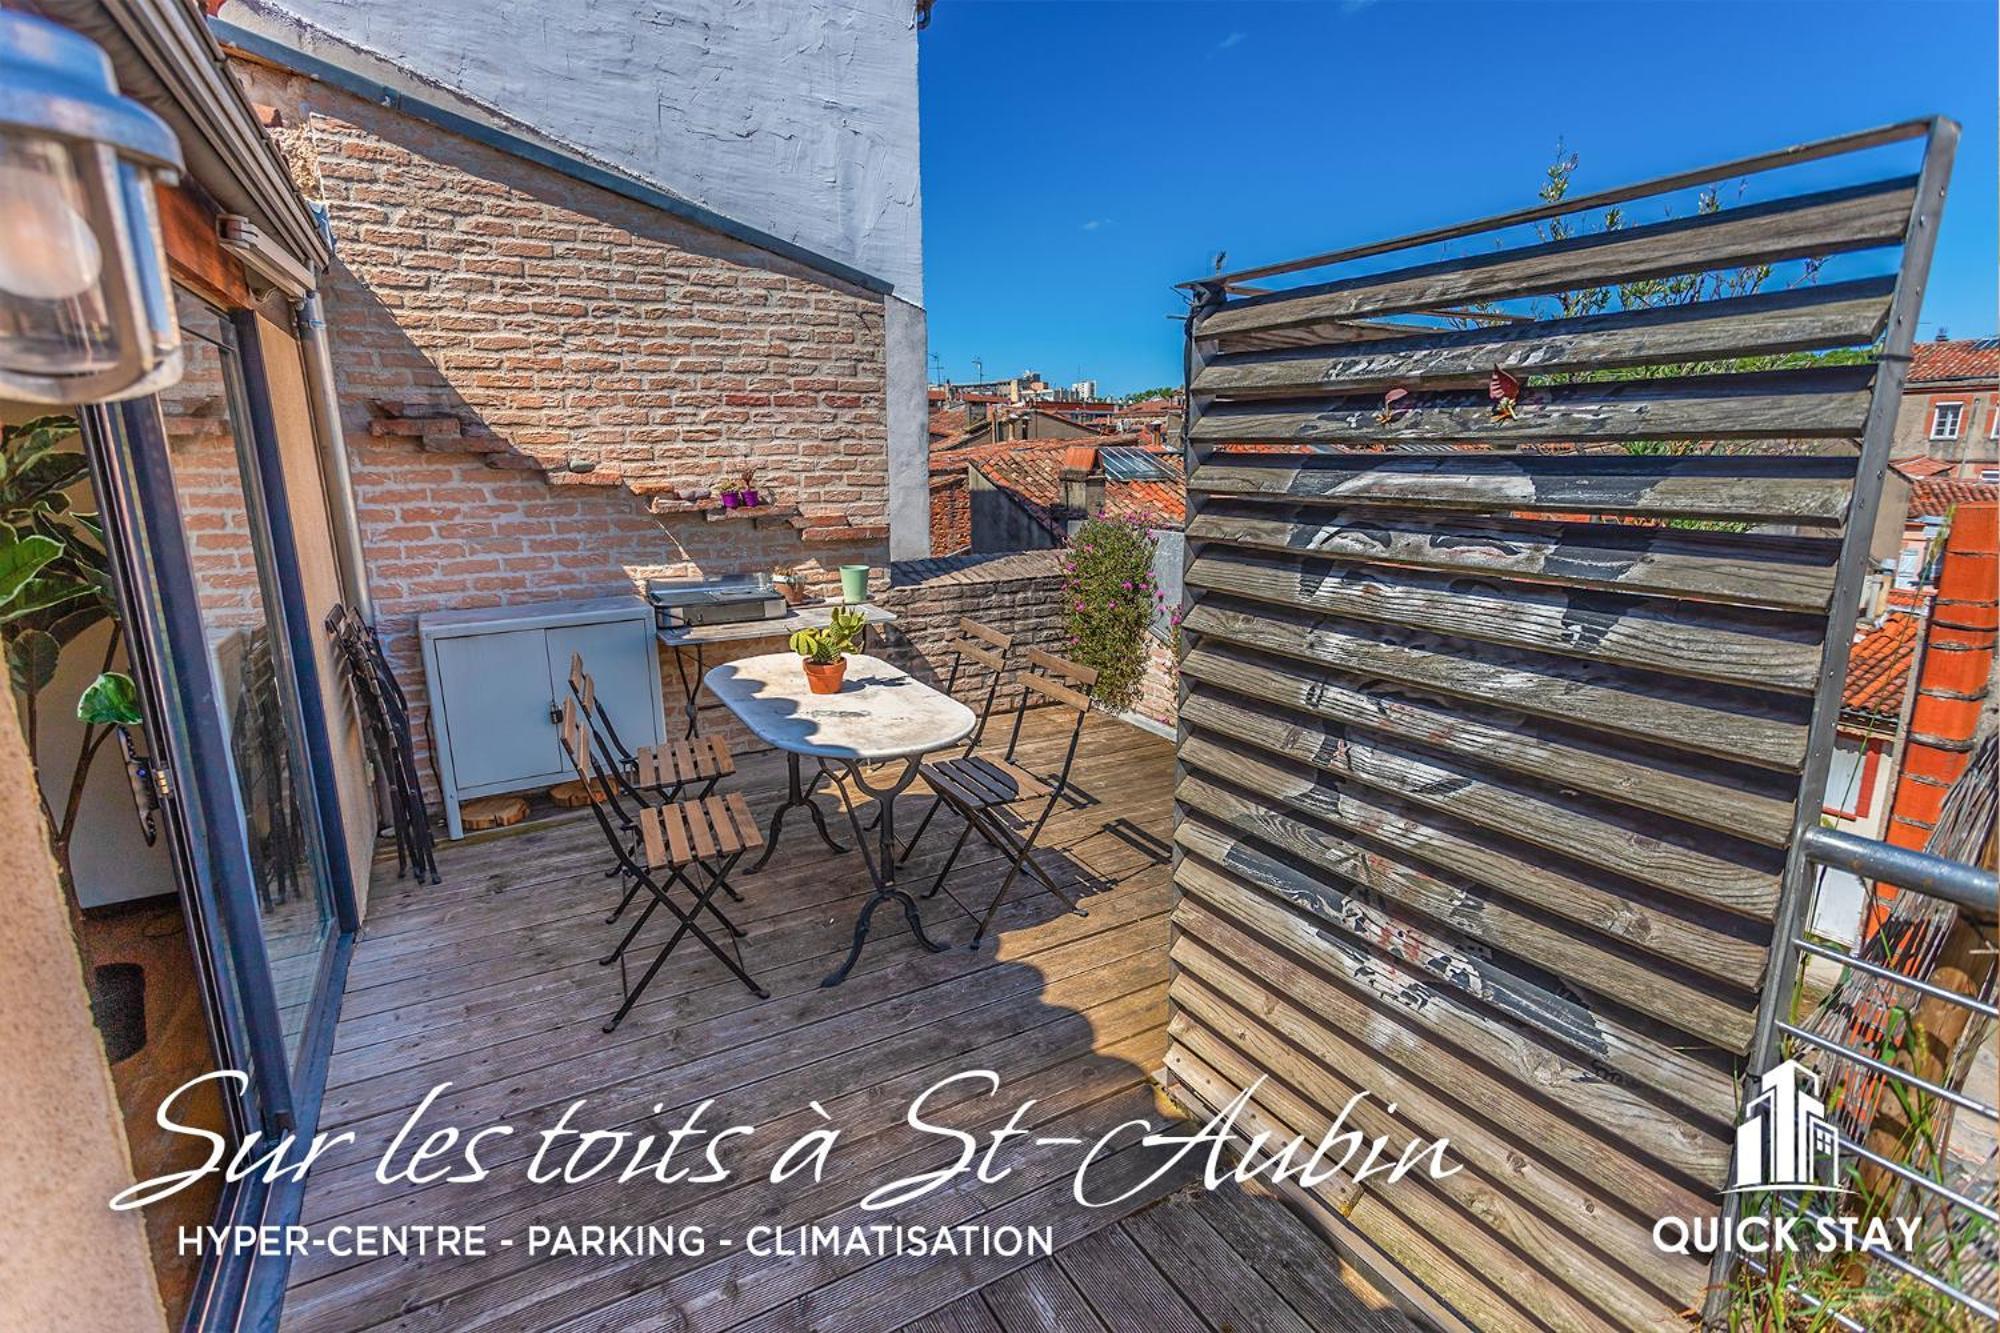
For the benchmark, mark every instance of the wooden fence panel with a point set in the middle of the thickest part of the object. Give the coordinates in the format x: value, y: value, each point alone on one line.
x: 1503, y: 705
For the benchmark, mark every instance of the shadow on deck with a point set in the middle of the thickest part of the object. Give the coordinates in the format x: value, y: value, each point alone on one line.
x: 489, y: 982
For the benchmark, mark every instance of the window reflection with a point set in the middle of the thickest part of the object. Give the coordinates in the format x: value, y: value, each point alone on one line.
x: 215, y: 481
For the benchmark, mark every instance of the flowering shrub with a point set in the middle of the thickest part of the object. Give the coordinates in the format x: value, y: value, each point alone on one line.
x: 1109, y: 598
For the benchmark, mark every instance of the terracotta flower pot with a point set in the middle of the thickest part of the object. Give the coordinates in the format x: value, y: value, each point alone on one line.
x: 825, y: 677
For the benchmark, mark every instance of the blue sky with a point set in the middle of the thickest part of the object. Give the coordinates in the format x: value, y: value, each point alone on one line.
x: 1080, y: 158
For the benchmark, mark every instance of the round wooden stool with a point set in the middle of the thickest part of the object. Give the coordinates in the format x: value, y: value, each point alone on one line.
x: 492, y: 812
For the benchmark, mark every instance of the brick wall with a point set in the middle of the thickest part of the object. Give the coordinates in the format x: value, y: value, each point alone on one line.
x: 1017, y: 594
x: 1159, y: 691
x: 535, y: 372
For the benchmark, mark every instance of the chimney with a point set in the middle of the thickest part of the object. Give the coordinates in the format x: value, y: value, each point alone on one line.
x: 1082, y: 485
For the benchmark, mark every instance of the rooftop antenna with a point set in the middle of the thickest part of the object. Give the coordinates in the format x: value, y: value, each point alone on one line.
x: 937, y: 368
x: 978, y: 370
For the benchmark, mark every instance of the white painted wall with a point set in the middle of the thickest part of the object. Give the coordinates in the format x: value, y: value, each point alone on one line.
x: 798, y: 117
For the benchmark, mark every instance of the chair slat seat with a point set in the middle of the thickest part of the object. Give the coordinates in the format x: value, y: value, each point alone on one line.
x: 979, y: 786
x: 681, y: 832
x: 747, y: 831
x: 981, y: 781
x: 677, y: 763
x: 677, y: 845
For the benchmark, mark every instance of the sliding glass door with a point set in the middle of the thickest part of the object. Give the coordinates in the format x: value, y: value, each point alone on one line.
x: 223, y: 512
x: 201, y: 545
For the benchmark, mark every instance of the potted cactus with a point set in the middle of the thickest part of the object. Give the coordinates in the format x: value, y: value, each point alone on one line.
x: 825, y: 649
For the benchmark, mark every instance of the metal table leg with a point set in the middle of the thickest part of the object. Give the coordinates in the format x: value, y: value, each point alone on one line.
x: 799, y: 795
x: 690, y: 689
x: 882, y: 864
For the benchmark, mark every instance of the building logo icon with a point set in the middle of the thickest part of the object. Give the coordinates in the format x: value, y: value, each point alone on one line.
x: 1785, y: 1141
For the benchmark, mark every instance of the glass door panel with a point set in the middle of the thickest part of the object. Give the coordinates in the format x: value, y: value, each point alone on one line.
x: 215, y: 484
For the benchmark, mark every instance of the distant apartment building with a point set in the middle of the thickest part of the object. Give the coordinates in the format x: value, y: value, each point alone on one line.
x: 1951, y: 409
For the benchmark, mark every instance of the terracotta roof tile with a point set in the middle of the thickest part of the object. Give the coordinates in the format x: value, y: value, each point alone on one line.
x: 949, y: 423
x: 1962, y: 359
x: 1031, y: 471
x: 1916, y: 469
x: 1878, y: 667
x: 1958, y: 666
x: 1940, y: 495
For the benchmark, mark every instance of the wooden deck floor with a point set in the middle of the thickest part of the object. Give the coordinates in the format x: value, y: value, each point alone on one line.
x: 489, y: 982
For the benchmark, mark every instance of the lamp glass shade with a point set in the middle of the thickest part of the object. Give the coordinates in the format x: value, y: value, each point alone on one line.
x: 54, y: 316
x: 142, y: 224
x: 86, y: 312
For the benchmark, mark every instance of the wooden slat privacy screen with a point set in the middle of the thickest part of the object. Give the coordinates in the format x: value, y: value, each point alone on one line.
x: 1495, y: 724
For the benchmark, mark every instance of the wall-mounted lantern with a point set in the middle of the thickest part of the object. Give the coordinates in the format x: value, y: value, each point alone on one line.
x: 86, y: 312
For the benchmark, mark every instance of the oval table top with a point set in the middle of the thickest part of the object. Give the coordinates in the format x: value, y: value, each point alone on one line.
x: 881, y: 712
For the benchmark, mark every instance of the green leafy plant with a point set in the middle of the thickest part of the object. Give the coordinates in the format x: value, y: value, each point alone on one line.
x: 824, y: 647
x: 55, y: 584
x: 1109, y: 598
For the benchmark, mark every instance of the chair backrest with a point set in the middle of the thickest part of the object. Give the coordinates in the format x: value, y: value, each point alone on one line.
x: 1061, y: 682
x: 575, y: 734
x: 599, y: 787
x: 988, y: 647
x: 584, y: 690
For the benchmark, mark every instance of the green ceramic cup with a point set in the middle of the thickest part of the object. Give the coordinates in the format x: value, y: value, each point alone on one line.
x: 854, y: 583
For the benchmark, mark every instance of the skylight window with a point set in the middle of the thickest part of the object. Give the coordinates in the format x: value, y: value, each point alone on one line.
x: 1131, y: 465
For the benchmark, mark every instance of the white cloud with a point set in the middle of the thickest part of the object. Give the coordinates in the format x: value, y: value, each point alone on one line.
x: 1233, y: 39
x: 1097, y: 224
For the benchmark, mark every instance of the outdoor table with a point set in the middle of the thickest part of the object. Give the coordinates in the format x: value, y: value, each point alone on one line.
x: 694, y: 639
x: 881, y: 716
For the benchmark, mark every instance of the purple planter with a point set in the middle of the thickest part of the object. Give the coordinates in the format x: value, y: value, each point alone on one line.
x: 732, y: 499
x: 751, y: 499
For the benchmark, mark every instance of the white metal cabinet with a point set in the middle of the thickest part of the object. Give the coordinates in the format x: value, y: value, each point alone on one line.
x: 496, y: 679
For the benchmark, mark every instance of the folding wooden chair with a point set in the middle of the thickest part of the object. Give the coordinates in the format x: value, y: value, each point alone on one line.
x: 651, y: 773
x: 988, y: 647
x: 664, y: 770
x: 708, y: 835
x: 982, y: 789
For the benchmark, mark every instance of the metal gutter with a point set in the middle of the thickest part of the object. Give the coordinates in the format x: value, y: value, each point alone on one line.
x: 335, y: 474
x: 260, y: 47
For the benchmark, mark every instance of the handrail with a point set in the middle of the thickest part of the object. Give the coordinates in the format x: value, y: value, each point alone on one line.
x: 1966, y: 886
x: 1786, y: 157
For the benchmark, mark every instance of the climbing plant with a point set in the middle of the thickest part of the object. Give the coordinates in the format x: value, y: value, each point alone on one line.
x: 1109, y: 598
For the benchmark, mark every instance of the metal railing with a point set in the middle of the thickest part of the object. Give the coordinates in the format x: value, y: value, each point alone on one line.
x: 1976, y: 893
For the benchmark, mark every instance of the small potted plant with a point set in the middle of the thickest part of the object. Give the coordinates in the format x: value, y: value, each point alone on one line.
x: 825, y: 650
x: 792, y: 585
x: 749, y: 492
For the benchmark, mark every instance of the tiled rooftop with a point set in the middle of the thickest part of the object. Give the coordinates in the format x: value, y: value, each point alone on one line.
x: 948, y: 423
x: 1939, y: 495
x: 1031, y: 472
x: 1878, y: 667
x: 1962, y: 359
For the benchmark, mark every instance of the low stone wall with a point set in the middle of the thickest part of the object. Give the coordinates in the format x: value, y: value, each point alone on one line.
x: 1159, y: 692
x: 1018, y: 594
